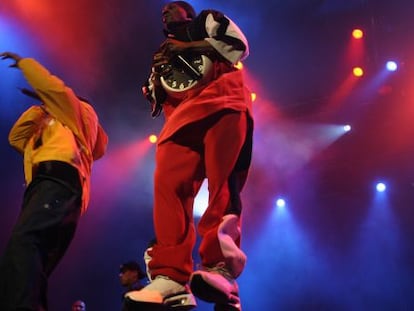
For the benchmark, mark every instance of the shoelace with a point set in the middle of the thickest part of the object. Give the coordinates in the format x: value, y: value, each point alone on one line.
x: 220, y: 268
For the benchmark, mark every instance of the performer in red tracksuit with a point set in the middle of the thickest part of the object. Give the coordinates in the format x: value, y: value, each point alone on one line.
x: 207, y: 134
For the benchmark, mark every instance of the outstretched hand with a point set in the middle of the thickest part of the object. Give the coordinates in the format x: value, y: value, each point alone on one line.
x: 14, y: 56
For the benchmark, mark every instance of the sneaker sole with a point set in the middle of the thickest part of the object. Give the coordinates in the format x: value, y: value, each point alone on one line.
x: 226, y: 308
x: 180, y: 302
x: 206, y: 292
x: 131, y: 305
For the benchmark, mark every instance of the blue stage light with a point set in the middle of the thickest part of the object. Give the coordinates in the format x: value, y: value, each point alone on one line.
x: 280, y: 203
x: 381, y: 187
x: 391, y: 66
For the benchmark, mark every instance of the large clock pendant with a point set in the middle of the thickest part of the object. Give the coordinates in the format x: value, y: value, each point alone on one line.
x: 186, y: 72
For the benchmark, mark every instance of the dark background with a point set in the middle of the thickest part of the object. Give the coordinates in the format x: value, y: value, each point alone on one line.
x: 337, y: 245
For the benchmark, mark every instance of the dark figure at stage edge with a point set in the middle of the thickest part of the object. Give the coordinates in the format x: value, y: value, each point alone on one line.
x: 130, y: 276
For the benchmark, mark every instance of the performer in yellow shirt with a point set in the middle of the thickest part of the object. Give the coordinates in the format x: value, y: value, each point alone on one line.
x: 59, y: 140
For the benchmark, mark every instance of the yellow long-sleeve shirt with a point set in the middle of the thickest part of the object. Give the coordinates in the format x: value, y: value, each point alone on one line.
x: 63, y: 128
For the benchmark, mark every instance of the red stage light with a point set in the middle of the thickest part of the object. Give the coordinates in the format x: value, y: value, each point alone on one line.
x: 357, y: 33
x: 358, y: 71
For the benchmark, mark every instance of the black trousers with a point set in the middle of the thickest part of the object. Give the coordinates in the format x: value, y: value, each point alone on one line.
x: 43, y: 231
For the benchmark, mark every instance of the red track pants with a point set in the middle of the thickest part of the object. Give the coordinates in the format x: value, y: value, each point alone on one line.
x: 208, y: 148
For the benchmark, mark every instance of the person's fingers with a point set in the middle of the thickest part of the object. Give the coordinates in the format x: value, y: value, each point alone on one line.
x: 4, y: 55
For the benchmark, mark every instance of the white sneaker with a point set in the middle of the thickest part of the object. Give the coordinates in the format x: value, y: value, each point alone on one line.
x: 227, y: 307
x: 181, y: 301
x: 163, y: 290
x: 216, y: 285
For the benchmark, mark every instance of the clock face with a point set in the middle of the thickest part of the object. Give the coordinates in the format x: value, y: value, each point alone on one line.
x: 179, y: 80
x: 185, y: 72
